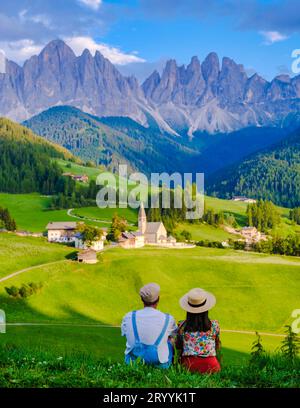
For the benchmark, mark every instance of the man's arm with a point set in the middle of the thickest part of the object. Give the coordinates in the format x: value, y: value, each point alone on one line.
x: 124, y: 325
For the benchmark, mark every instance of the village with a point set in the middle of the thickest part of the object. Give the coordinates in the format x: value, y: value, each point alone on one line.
x: 148, y: 233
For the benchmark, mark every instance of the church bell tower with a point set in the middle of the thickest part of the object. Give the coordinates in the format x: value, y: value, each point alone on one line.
x: 142, y: 220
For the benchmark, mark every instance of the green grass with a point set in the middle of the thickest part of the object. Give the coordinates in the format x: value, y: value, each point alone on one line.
x: 21, y: 367
x: 31, y: 211
x: 91, y: 172
x: 254, y: 292
x: 73, y: 290
x: 106, y: 214
x: 17, y: 253
x: 106, y: 342
x: 204, y: 232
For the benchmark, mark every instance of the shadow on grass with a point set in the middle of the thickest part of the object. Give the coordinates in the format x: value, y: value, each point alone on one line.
x: 72, y: 256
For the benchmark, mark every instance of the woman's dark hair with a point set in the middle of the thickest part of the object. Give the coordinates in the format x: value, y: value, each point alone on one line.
x: 197, y: 322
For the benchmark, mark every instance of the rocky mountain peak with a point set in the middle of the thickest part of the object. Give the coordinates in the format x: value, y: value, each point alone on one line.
x: 199, y: 96
x: 57, y: 49
x: 211, y: 67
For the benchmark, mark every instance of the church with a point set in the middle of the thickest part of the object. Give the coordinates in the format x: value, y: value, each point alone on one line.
x: 153, y: 233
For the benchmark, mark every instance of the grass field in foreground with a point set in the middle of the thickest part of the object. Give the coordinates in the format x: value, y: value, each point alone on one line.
x: 108, y: 343
x: 23, y: 367
x: 254, y: 292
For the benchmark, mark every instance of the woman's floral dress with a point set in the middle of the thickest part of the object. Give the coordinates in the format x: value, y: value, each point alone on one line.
x: 201, y: 343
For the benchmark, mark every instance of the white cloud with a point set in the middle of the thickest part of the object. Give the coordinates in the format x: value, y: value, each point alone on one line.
x: 114, y: 54
x: 93, y: 4
x: 38, y: 18
x: 21, y: 50
x: 272, y: 37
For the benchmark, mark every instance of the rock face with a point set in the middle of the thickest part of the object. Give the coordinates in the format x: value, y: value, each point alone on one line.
x: 206, y: 97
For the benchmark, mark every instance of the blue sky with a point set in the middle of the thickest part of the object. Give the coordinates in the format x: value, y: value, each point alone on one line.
x: 140, y: 35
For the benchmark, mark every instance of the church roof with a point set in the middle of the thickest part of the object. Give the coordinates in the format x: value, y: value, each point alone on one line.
x: 152, y: 227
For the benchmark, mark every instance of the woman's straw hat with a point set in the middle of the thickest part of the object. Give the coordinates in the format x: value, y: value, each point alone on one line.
x: 197, y: 300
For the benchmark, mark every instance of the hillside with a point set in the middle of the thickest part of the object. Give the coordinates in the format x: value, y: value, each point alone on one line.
x: 26, y: 161
x: 80, y: 305
x: 111, y: 141
x: 272, y: 174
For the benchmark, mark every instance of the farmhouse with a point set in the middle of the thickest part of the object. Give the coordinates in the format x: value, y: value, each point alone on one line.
x: 96, y: 245
x: 250, y: 233
x: 62, y: 232
x: 87, y: 256
x: 243, y: 199
x: 134, y: 239
x: 83, y: 178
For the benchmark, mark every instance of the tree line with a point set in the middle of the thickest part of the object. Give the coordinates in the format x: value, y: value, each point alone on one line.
x: 26, y: 163
x: 263, y: 215
x: 6, y: 220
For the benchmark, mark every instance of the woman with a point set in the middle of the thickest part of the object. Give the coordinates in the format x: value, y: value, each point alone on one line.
x: 198, y: 337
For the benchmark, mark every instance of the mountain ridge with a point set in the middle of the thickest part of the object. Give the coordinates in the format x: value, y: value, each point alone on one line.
x: 208, y: 96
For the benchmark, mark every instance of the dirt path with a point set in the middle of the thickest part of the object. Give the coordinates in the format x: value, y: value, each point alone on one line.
x: 118, y: 327
x: 30, y: 269
x: 70, y: 214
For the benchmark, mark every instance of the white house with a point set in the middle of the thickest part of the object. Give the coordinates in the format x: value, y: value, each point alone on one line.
x: 244, y: 199
x: 62, y: 232
x: 97, y: 245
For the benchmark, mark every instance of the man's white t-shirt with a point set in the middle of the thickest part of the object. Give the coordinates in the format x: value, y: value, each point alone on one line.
x: 150, y: 323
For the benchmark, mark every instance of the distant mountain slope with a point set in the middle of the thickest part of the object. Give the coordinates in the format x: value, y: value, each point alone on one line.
x: 272, y: 174
x: 212, y: 96
x: 114, y: 140
x: 26, y: 163
x: 230, y: 148
x: 111, y: 141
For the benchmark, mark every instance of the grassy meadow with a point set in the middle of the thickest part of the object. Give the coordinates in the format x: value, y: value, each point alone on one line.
x: 17, y: 253
x: 32, y: 213
x: 79, y: 305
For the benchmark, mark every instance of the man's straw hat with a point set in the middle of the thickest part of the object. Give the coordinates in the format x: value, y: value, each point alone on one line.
x: 150, y: 292
x: 197, y: 300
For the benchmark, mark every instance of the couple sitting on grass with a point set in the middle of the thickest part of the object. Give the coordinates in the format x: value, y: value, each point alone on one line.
x: 152, y: 335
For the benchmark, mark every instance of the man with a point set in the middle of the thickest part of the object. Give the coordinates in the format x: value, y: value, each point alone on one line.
x: 148, y: 330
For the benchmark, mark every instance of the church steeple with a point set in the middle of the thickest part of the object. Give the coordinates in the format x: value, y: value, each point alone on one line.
x: 142, y: 220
